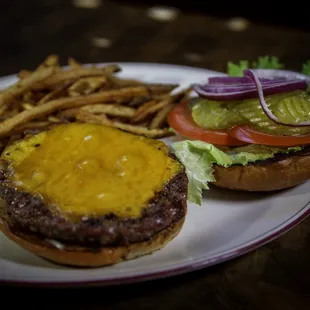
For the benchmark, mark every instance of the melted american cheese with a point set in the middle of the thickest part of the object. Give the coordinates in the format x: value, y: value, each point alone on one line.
x: 89, y: 169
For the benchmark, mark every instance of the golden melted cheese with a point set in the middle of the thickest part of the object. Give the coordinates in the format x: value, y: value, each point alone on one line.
x: 91, y: 170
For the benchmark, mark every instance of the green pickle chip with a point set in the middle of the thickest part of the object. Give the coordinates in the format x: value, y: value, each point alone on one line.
x: 293, y: 107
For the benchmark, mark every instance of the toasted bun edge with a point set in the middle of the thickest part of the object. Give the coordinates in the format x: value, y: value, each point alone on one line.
x: 271, y: 176
x: 86, y: 257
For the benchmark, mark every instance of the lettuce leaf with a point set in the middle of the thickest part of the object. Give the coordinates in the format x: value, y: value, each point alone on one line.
x: 267, y: 62
x: 198, y: 158
x: 306, y: 68
x: 262, y: 62
x: 237, y: 69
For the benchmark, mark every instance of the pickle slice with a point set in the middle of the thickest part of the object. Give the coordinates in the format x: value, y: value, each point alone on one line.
x: 289, y: 108
x: 293, y: 109
x: 216, y: 115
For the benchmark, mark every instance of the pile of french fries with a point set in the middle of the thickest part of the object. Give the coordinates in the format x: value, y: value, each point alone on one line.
x: 52, y: 95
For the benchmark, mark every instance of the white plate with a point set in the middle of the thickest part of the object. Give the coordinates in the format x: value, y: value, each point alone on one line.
x: 227, y: 225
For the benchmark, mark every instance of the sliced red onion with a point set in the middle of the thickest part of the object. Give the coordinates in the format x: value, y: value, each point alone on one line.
x: 224, y: 80
x: 245, y: 85
x: 240, y: 93
x: 261, y: 92
x: 263, y: 75
x: 276, y: 73
x: 218, y: 88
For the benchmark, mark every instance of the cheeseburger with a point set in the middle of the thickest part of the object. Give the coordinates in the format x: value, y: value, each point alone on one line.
x: 249, y: 132
x: 91, y: 195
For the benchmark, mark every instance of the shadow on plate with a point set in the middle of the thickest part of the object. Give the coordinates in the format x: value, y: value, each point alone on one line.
x: 223, y: 194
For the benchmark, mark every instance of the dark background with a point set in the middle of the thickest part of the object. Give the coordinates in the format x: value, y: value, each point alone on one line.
x: 275, y: 276
x: 32, y: 29
x: 279, y: 13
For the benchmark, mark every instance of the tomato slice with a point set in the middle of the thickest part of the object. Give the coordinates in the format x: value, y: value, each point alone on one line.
x: 180, y: 119
x: 247, y: 134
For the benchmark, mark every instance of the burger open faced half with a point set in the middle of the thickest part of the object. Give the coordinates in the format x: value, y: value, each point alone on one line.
x: 248, y: 133
x: 91, y: 195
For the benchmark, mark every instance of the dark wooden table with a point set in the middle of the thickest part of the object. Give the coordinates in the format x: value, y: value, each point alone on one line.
x: 276, y: 276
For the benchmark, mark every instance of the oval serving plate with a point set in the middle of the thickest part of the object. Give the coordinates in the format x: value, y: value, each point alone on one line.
x: 227, y: 225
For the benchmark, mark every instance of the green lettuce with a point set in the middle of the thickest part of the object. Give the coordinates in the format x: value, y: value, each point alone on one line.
x: 306, y: 68
x: 237, y: 69
x: 267, y: 62
x: 198, y: 158
x: 262, y: 62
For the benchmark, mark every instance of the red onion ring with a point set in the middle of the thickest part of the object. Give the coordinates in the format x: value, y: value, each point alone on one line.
x: 283, y: 74
x: 273, y: 81
x: 221, y: 88
x: 247, y: 92
x: 260, y: 91
x: 255, y: 83
x: 224, y: 80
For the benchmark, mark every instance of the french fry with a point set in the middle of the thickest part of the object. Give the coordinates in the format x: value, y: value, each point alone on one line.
x: 118, y: 82
x: 159, y: 89
x: 73, y: 63
x: 155, y: 87
x: 3, y: 108
x: 53, y: 119
x: 142, y: 111
x: 55, y: 93
x: 74, y: 74
x: 138, y: 130
x: 182, y: 95
x: 152, y: 107
x: 68, y: 113
x: 9, y: 112
x: 70, y: 102
x: 50, y: 61
x: 86, y: 116
x: 51, y: 95
x: 33, y: 97
x: 85, y: 86
x: 140, y: 100
x: 148, y: 109
x: 161, y: 116
x: 27, y: 106
x: 30, y: 125
x: 28, y: 96
x: 24, y: 73
x: 110, y: 109
x: 22, y: 86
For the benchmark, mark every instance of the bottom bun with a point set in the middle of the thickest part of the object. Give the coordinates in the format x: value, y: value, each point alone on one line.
x: 267, y: 176
x: 89, y: 257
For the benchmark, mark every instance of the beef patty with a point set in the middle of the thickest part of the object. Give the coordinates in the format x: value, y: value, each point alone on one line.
x: 26, y: 213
